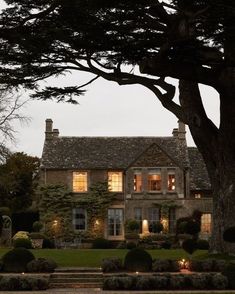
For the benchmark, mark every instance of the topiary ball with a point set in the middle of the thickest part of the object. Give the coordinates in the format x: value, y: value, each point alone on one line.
x: 16, y: 260
x: 22, y: 243
x: 139, y: 260
x: 192, y: 227
x: 229, y: 235
x: 189, y: 245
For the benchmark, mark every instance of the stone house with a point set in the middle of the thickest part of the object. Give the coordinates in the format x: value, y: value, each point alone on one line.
x: 154, y: 178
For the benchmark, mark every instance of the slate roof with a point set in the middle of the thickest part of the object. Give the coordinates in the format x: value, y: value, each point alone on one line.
x: 199, y: 179
x: 105, y: 152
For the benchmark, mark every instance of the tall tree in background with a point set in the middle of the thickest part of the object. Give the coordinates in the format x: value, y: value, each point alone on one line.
x: 18, y: 181
x: 190, y: 40
x: 10, y: 112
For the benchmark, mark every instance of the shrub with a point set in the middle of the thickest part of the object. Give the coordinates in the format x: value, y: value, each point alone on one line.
x: 219, y: 265
x: 159, y: 282
x: 143, y: 283
x: 21, y: 235
x: 177, y: 282
x: 48, y: 243
x: 111, y: 283
x: 195, y: 265
x: 192, y: 227
x: 229, y: 235
x: 166, y: 245
x: 132, y: 235
x: 219, y: 281
x: 23, y: 283
x: 157, y: 227
x: 101, y: 243
x: 198, y: 281
x: 189, y: 245
x: 202, y: 244
x: 207, y: 265
x: 37, y: 226
x: 41, y: 265
x: 131, y: 245
x: 112, y: 264
x: 16, y: 260
x: 138, y: 260
x: 23, y: 243
x: 165, y: 265
x: 36, y: 235
x: 132, y: 226
x: 229, y: 272
x: 161, y: 265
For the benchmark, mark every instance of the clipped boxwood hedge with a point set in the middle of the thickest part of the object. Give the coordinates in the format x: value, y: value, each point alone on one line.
x: 139, y: 260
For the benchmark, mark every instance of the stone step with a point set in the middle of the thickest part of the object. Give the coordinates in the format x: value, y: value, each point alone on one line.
x: 76, y: 275
x: 76, y: 280
x: 76, y: 285
x: 78, y: 269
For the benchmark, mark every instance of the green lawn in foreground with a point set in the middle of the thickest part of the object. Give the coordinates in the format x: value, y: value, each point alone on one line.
x: 93, y: 257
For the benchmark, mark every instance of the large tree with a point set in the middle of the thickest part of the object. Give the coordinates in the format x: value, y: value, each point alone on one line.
x: 18, y: 181
x: 190, y: 40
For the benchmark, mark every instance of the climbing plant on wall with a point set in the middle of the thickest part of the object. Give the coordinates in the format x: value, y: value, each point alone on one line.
x: 96, y: 202
x: 56, y: 210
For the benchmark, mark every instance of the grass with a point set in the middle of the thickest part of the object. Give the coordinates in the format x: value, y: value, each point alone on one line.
x: 93, y: 257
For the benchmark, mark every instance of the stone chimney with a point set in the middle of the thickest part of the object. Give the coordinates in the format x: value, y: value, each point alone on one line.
x: 50, y: 133
x: 181, y: 130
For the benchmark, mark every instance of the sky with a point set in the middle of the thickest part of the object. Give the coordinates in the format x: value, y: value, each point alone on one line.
x: 106, y: 109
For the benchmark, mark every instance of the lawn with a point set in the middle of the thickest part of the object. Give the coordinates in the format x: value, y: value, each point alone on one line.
x: 93, y: 257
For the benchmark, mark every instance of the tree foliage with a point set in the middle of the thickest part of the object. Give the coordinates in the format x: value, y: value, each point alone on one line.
x: 18, y: 181
x: 136, y: 42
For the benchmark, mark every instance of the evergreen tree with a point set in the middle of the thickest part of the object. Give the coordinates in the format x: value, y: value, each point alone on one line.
x: 190, y: 40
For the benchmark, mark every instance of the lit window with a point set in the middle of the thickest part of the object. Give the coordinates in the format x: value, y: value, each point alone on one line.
x: 79, y: 181
x: 137, y: 182
x: 115, y: 181
x: 206, y: 223
x: 197, y: 195
x: 171, y: 181
x: 115, y: 222
x: 154, y: 181
x: 79, y: 219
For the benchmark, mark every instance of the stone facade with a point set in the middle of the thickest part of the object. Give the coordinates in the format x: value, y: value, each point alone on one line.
x: 152, y: 161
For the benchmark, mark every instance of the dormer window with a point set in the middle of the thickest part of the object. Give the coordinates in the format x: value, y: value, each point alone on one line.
x: 115, y: 181
x: 80, y: 182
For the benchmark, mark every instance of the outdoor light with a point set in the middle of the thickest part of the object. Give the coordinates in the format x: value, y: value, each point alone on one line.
x: 97, y: 222
x: 55, y: 223
x: 22, y: 273
x: 137, y: 273
x: 145, y: 226
x: 183, y: 264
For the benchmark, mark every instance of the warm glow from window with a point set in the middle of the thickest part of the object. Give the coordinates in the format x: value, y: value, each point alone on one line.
x: 154, y: 182
x: 79, y: 181
x: 206, y: 223
x: 137, y: 183
x: 171, y: 182
x: 197, y: 195
x: 115, y: 181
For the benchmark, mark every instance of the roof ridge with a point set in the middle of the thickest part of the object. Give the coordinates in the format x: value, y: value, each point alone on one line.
x: 114, y: 137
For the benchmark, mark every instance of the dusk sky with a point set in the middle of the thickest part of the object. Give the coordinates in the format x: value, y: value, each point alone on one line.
x: 105, y: 110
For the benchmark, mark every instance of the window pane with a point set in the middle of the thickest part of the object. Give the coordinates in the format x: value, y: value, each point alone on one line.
x: 115, y: 222
x: 115, y: 181
x: 79, y: 181
x: 79, y: 219
x: 137, y: 182
x: 138, y: 217
x: 206, y: 223
x: 171, y: 182
x: 154, y: 182
x: 153, y: 218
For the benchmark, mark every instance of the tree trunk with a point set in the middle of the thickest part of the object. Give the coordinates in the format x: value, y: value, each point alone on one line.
x: 217, y: 147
